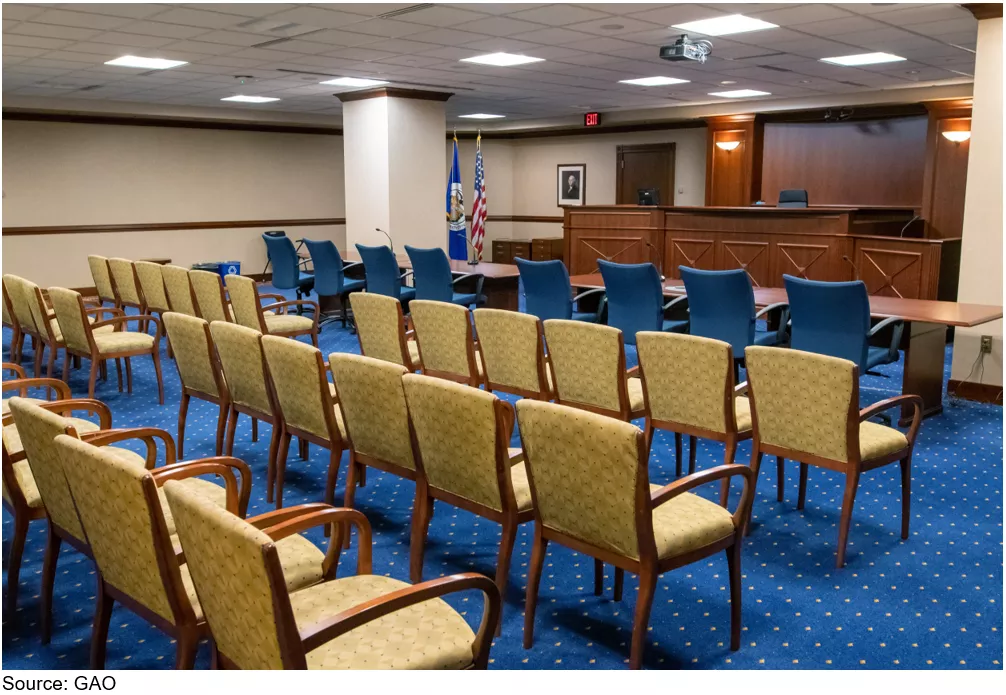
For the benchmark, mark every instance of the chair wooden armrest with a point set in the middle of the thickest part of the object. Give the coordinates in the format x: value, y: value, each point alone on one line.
x: 294, y: 302
x: 16, y: 368
x: 224, y: 466
x: 277, y: 516
x: 88, y: 405
x: 672, y: 490
x: 634, y: 371
x: 22, y: 386
x: 275, y: 296
x: 98, y: 310
x: 121, y: 320
x: 330, y: 516
x: 895, y: 402
x: 147, y: 435
x: 328, y: 629
x: 741, y: 388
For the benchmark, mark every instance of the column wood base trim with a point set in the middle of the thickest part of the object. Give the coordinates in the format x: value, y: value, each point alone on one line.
x: 974, y: 391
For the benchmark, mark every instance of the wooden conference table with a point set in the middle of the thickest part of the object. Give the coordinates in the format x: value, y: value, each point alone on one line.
x: 924, y: 338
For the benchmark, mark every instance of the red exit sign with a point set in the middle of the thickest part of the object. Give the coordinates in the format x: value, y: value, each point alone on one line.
x: 591, y: 119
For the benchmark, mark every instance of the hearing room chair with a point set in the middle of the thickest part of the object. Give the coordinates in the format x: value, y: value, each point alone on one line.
x: 636, y: 299
x: 548, y: 294
x: 246, y: 303
x: 434, y: 280
x: 178, y: 288
x: 286, y: 265
x: 102, y: 277
x: 380, y: 328
x: 383, y: 273
x: 330, y: 277
x: 446, y: 341
x: 512, y: 346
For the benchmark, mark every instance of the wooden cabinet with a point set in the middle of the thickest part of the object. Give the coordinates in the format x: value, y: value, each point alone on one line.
x: 546, y: 249
x: 505, y: 250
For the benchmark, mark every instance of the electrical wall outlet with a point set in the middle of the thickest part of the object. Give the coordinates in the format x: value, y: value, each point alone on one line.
x: 986, y: 343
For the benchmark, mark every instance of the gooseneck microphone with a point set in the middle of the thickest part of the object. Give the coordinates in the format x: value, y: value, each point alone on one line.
x: 478, y: 254
x: 390, y: 242
x: 854, y: 266
x: 660, y: 260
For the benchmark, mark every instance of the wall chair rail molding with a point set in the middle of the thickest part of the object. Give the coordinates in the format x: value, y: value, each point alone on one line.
x: 170, y: 226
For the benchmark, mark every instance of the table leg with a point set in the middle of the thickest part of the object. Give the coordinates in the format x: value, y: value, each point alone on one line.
x: 925, y: 352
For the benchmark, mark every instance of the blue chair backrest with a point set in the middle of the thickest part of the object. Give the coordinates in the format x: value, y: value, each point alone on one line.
x: 721, y: 306
x: 635, y: 297
x: 285, y: 263
x: 792, y: 198
x: 432, y: 273
x: 381, y: 266
x: 829, y: 318
x: 547, y: 292
x: 328, y: 273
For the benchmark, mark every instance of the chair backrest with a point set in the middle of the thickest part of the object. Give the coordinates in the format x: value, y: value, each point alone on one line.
x: 300, y: 382
x: 285, y: 263
x: 720, y: 305
x: 373, y: 407
x: 547, y: 292
x: 124, y: 281
x: 830, y: 318
x: 461, y: 440
x: 327, y: 261
x: 635, y: 297
x: 36, y: 304
x: 588, y: 476
x: 513, y: 356
x: 21, y: 302
x: 804, y: 401
x: 102, y: 278
x: 152, y: 285
x: 243, y: 365
x: 245, y: 302
x: 588, y: 365
x: 125, y: 527
x: 432, y: 273
x: 236, y: 571
x: 687, y: 380
x: 381, y: 266
x: 208, y: 289
x: 380, y: 327
x: 73, y: 324
x: 792, y: 198
x: 446, y: 343
x: 194, y: 354
x: 179, y: 290
x: 9, y: 318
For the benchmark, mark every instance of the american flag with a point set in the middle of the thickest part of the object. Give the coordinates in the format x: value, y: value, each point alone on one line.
x: 479, y: 211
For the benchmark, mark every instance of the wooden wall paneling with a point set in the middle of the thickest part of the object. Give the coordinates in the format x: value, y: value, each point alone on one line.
x: 630, y: 235
x: 946, y: 172
x: 690, y: 248
x: 733, y: 177
x: 898, y: 268
x: 748, y: 252
x: 812, y: 257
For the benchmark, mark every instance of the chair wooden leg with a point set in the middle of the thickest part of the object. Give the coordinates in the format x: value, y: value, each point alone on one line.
x: 598, y: 577
x: 648, y: 433
x: 729, y: 454
x: 99, y: 631
x: 21, y: 522
x: 270, y: 476
x: 129, y: 375
x: 314, y: 338
x: 66, y: 367
x: 160, y: 380
x: 420, y: 526
x: 756, y: 457
x: 619, y: 583
x: 692, y: 450
x: 303, y: 449
x: 186, y: 648
x: 906, y: 494
x: 644, y: 602
x: 104, y: 370
x: 677, y: 454
x: 509, y: 537
x: 734, y: 565
x: 49, y: 560
x: 849, y: 500
x: 221, y: 429
x: 37, y: 363
x: 780, y: 483
x: 801, y: 499
x: 51, y: 367
x: 232, y: 425
x: 183, y: 410
x: 254, y: 429
x: 533, y: 582
x: 118, y: 372
x: 95, y: 362
x: 334, y: 460
x: 284, y: 449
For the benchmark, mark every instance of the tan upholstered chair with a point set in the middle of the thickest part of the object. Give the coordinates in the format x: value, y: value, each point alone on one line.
x: 246, y: 302
x: 211, y: 299
x: 588, y: 365
x: 364, y: 621
x: 380, y: 327
x: 10, y: 320
x: 306, y: 404
x: 20, y: 301
x: 178, y: 289
x: 85, y: 340
x: 513, y: 354
x: 805, y: 407
x: 446, y: 341
x: 198, y: 370
x: 102, y: 277
x: 127, y: 527
x: 126, y: 285
x: 462, y: 451
x: 590, y: 484
x: 688, y: 388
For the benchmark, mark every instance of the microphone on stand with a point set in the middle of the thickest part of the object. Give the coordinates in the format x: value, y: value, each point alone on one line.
x: 660, y: 261
x: 854, y: 266
x: 909, y: 224
x: 390, y: 242
x: 478, y: 254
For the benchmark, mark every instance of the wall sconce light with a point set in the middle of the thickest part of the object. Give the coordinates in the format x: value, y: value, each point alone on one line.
x: 957, y: 136
x: 734, y: 144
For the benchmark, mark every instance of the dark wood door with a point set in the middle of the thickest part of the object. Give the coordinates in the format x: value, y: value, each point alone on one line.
x: 645, y: 166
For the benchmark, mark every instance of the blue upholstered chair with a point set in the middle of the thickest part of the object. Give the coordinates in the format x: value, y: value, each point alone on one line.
x: 548, y: 294
x: 833, y: 318
x: 792, y: 198
x: 721, y: 306
x: 636, y: 299
x: 434, y: 280
x: 383, y: 274
x: 330, y: 277
x: 286, y: 272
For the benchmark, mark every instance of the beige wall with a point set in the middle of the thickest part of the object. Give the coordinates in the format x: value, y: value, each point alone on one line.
x: 982, y: 245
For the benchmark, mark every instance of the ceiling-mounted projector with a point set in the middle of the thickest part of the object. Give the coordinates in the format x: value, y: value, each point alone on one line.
x: 686, y: 49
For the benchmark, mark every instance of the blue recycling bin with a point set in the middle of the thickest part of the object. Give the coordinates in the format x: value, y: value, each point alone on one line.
x: 229, y: 268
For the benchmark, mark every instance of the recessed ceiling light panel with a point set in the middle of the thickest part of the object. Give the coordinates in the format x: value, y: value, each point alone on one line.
x: 355, y: 82
x: 146, y: 63
x: 653, y: 81
x: 863, y: 59
x: 722, y: 26
x: 502, y: 60
x: 250, y: 99
x: 482, y: 116
x: 740, y: 94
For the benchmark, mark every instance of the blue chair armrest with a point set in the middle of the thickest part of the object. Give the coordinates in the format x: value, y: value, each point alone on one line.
x: 676, y: 300
x: 783, y: 318
x: 478, y: 282
x: 404, y: 275
x: 588, y: 293
x: 899, y: 327
x: 354, y: 264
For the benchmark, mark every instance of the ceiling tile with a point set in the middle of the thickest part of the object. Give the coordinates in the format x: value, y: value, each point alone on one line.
x: 83, y: 20
x: 679, y: 14
x: 35, y: 41
x: 559, y: 15
x: 498, y: 26
x: 235, y: 38
x: 20, y: 12
x: 443, y: 16
x: 555, y: 36
x: 627, y: 25
x: 800, y: 14
x: 319, y: 17
x: 171, y: 31
x: 198, y: 18
x: 496, y: 8
x: 835, y: 27
x: 119, y: 38
x: 245, y: 9
x: 51, y: 31
x: 200, y: 47
x: 387, y: 28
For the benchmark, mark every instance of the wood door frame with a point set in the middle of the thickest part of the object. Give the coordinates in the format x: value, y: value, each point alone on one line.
x: 621, y: 150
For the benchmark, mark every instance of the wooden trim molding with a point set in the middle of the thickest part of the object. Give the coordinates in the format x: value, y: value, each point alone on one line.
x: 974, y: 391
x: 170, y: 226
x: 544, y: 219
x: 985, y: 10
x: 164, y: 122
x: 396, y: 92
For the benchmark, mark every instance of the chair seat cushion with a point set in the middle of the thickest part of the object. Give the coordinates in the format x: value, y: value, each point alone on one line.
x: 414, y: 353
x: 26, y: 483
x: 518, y: 477
x: 305, y: 281
x: 288, y: 323
x: 588, y: 316
x: 742, y: 413
x: 353, y: 285
x: 59, y: 334
x: 766, y: 338
x: 687, y: 523
x: 122, y: 341
x: 6, y: 407
x: 877, y: 356
x: 407, y: 294
x: 428, y: 635
x: 635, y: 388
x: 466, y: 299
x: 876, y: 440
x: 675, y: 326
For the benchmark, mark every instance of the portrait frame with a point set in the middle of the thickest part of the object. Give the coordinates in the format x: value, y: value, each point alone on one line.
x: 564, y: 195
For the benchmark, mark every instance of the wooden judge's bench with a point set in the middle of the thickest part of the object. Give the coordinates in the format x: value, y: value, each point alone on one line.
x: 880, y: 245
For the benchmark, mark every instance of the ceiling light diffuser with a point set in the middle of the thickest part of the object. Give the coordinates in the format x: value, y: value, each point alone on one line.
x: 355, y: 82
x: 740, y: 93
x: 722, y: 26
x: 863, y: 59
x: 653, y: 81
x: 146, y: 63
x: 249, y: 100
x: 482, y: 116
x: 502, y: 60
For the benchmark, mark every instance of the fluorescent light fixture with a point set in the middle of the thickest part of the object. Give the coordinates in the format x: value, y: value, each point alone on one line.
x: 355, y: 82
x: 863, y: 59
x: 740, y: 93
x: 729, y: 146
x: 502, y: 60
x: 653, y: 81
x: 721, y: 26
x: 482, y: 116
x: 249, y: 100
x: 146, y: 63
x: 957, y: 136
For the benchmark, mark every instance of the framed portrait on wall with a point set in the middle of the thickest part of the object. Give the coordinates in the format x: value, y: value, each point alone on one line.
x: 571, y: 184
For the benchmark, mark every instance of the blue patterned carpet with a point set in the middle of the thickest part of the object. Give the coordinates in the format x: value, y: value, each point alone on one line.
x: 934, y: 601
